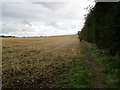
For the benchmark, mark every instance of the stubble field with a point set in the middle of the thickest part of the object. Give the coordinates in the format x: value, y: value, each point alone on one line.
x: 34, y: 61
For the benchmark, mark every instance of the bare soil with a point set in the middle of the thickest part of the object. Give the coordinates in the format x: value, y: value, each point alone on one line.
x: 33, y: 62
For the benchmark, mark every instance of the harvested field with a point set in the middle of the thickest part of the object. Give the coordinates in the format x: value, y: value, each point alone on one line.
x: 34, y: 61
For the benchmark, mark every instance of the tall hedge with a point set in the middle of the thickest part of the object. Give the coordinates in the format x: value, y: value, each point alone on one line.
x: 102, y: 26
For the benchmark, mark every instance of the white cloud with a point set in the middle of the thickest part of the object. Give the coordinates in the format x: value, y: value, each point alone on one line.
x: 43, y: 18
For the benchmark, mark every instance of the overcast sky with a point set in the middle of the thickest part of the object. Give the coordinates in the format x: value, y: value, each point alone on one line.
x: 43, y: 18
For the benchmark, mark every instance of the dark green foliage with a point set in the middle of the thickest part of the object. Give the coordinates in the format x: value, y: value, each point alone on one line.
x: 6, y: 36
x: 102, y: 27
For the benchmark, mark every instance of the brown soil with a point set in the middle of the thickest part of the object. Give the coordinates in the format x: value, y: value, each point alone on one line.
x: 33, y: 62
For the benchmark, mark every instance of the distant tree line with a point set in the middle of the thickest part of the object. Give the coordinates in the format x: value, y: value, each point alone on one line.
x: 6, y: 36
x: 102, y: 27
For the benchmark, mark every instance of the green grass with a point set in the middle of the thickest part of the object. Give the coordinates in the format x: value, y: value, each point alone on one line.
x: 78, y: 76
x: 110, y: 67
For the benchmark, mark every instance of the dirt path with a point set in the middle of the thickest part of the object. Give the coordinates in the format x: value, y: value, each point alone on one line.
x: 94, y: 67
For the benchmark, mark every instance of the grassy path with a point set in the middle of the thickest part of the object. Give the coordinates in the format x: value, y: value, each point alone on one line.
x: 94, y: 67
x: 109, y: 67
x: 90, y: 69
x: 77, y: 76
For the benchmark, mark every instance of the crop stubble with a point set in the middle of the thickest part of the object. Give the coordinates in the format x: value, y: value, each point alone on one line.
x: 34, y: 61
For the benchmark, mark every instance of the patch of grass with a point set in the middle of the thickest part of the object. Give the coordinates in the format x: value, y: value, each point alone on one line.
x: 110, y: 67
x: 78, y: 76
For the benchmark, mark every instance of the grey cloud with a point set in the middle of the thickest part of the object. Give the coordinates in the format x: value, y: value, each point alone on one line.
x: 8, y: 28
x: 27, y: 22
x: 52, y: 23
x: 12, y: 10
x: 42, y: 18
x: 51, y: 5
x: 23, y: 11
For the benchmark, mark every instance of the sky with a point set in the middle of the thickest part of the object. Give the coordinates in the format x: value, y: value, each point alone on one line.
x: 43, y: 18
